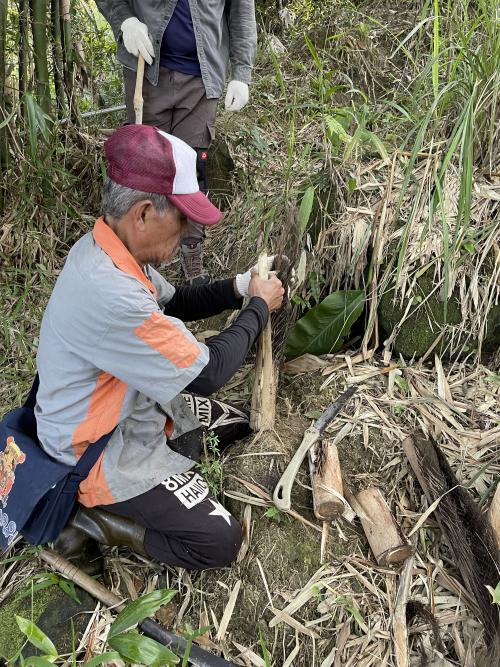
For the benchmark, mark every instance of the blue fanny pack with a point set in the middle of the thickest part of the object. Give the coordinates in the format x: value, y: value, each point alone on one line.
x: 37, y: 493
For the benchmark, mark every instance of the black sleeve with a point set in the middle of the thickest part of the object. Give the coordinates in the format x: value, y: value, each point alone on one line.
x: 229, y: 349
x: 195, y: 302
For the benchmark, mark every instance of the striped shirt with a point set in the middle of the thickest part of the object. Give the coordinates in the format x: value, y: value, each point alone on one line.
x: 109, y: 359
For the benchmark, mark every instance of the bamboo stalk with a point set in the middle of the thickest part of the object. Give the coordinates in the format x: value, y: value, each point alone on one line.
x: 57, y: 54
x: 23, y: 52
x: 326, y: 480
x: 383, y: 533
x: 263, y: 407
x: 138, y: 99
x: 67, y: 48
x: 40, y: 47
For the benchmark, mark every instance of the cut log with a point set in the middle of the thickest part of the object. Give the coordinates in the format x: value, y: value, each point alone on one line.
x: 383, y: 533
x: 494, y: 515
x: 326, y: 480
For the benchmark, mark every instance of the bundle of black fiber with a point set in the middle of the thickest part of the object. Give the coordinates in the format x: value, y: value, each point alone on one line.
x: 467, y: 531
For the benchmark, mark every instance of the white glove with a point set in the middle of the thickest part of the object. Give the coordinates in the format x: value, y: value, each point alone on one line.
x: 243, y: 279
x: 237, y: 95
x: 136, y: 39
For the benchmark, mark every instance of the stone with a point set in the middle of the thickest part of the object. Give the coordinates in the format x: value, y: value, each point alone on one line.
x: 53, y: 611
x: 422, y: 327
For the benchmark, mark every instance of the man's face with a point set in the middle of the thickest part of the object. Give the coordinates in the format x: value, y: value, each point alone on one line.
x: 162, y: 235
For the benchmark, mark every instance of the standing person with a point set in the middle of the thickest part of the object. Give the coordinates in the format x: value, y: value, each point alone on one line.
x: 187, y: 46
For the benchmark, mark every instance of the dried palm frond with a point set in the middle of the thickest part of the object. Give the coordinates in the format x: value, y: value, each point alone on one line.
x: 468, y: 533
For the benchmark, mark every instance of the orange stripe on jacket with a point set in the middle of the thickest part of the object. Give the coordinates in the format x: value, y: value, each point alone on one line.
x: 103, y: 413
x: 94, y: 490
x: 105, y: 237
x: 167, y: 339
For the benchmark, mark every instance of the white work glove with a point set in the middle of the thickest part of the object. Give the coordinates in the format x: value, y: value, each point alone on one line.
x: 237, y: 95
x: 136, y: 39
x: 242, y: 280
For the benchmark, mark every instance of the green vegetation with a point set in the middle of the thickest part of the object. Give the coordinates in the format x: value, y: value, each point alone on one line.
x: 372, y: 129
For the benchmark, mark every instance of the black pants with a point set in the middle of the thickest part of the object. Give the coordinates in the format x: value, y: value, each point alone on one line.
x: 185, y: 525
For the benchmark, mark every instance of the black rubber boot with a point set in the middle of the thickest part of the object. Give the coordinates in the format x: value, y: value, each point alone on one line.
x: 79, y: 549
x: 110, y: 529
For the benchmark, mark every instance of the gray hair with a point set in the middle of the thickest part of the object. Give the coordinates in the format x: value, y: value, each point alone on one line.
x: 117, y: 200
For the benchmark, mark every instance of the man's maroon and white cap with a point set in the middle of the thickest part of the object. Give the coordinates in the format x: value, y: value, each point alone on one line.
x: 144, y: 158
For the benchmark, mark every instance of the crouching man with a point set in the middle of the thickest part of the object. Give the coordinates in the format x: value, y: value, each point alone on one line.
x: 115, y: 356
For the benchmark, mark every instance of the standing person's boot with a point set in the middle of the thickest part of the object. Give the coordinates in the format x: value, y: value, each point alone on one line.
x: 110, y: 529
x: 192, y: 261
x: 192, y: 245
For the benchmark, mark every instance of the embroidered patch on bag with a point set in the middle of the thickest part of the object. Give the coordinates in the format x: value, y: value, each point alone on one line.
x: 9, y: 528
x: 10, y: 458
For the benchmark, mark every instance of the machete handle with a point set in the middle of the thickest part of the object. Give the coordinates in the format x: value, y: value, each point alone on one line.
x: 281, y: 495
x: 283, y: 489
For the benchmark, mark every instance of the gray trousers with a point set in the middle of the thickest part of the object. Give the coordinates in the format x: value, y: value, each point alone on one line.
x: 178, y: 105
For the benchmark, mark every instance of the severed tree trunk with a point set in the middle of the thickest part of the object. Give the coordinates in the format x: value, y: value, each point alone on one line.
x: 57, y: 54
x: 40, y: 48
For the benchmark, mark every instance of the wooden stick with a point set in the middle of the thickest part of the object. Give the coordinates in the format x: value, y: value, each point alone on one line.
x: 263, y: 407
x: 399, y: 627
x: 326, y: 480
x: 383, y: 533
x: 138, y: 100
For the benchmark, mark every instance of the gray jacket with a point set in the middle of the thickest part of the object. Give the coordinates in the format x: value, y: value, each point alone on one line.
x: 225, y: 31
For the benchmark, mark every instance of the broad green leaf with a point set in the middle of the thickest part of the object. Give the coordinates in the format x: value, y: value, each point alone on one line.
x: 323, y: 328
x: 305, y: 209
x: 69, y: 588
x: 140, y: 609
x: 105, y: 657
x: 37, y: 661
x: 335, y: 128
x: 376, y: 143
x: 274, y: 513
x: 354, y: 611
x: 36, y: 637
x: 142, y: 650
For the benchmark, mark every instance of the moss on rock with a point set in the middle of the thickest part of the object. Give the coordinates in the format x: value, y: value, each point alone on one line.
x: 11, y: 638
x: 61, y: 618
x: 425, y: 322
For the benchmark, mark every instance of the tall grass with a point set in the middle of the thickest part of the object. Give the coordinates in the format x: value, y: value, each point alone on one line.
x: 456, y: 111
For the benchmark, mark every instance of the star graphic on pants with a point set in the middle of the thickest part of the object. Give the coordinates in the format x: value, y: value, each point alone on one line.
x: 220, y: 511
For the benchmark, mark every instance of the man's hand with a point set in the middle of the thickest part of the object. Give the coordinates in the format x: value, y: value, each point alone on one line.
x: 136, y: 39
x: 270, y: 290
x: 242, y: 280
x: 237, y: 95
